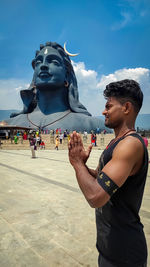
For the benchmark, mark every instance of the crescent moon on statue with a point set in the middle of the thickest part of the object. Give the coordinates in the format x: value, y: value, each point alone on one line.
x: 69, y: 54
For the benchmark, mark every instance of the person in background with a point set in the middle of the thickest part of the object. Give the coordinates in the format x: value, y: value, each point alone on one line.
x: 38, y: 140
x: 42, y: 145
x: 85, y: 136
x: 32, y: 142
x: 61, y: 137
x: 68, y: 137
x: 56, y: 142
x: 15, y: 139
x: 93, y: 139
x: 25, y: 136
x: 7, y: 135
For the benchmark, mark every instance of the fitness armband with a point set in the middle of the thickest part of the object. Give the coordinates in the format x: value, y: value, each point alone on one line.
x: 106, y: 183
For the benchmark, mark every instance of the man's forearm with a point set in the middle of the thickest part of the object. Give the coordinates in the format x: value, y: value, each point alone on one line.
x: 86, y: 181
x: 92, y: 172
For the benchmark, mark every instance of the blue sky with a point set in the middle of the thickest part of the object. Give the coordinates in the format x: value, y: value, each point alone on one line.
x: 112, y: 37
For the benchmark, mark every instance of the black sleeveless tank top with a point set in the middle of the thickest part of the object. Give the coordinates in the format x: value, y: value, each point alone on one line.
x: 120, y: 236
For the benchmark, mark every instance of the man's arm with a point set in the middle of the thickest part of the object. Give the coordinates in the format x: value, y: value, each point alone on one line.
x: 126, y: 160
x: 85, y: 176
x: 84, y: 154
x: 92, y: 172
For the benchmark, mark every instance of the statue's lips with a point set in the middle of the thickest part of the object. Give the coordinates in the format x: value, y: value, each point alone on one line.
x: 44, y: 75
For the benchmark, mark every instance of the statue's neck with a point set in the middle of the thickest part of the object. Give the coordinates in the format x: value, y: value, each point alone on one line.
x: 52, y: 100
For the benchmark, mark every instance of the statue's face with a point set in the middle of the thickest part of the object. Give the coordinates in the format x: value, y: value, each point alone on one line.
x: 49, y: 68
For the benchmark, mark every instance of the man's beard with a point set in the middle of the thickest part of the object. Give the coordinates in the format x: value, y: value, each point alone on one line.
x: 112, y: 125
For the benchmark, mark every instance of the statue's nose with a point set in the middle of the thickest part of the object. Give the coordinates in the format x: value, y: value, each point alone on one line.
x: 44, y: 67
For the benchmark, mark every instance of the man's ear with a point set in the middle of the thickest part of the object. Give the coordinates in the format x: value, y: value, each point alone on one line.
x: 127, y: 107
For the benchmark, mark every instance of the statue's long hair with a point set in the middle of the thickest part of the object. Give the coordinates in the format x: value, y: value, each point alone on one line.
x: 73, y: 96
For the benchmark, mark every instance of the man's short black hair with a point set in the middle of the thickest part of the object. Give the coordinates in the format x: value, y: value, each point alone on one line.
x: 125, y: 90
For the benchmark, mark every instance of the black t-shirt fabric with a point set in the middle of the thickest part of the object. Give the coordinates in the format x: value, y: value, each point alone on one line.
x: 120, y: 236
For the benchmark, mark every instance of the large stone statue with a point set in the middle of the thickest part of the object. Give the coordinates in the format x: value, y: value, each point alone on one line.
x: 52, y: 99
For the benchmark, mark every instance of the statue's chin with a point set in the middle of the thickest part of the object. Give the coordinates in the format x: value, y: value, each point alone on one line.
x: 42, y: 85
x: 45, y: 85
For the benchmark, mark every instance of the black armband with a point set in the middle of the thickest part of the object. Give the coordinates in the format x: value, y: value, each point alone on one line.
x: 106, y: 183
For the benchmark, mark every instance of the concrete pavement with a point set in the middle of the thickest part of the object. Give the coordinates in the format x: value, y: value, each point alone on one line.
x: 44, y: 219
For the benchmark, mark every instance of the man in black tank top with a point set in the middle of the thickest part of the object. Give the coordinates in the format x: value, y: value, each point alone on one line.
x: 115, y: 189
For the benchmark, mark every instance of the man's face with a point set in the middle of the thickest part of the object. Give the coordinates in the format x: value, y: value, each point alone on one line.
x: 113, y: 113
x: 49, y: 68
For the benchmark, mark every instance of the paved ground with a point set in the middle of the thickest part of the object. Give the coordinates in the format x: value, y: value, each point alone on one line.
x: 44, y: 219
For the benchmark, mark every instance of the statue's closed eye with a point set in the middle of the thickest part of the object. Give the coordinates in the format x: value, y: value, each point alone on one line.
x: 38, y: 62
x: 56, y: 62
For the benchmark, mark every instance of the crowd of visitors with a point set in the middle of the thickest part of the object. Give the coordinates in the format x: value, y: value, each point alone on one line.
x: 58, y: 137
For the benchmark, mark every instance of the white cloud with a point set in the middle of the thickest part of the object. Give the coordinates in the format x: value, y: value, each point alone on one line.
x: 135, y: 74
x: 141, y: 75
x: 126, y: 18
x: 10, y: 93
x: 131, y: 12
x: 89, y: 93
x: 86, y: 77
x: 90, y: 86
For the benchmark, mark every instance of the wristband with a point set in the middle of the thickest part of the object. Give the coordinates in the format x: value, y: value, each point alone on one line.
x: 106, y: 183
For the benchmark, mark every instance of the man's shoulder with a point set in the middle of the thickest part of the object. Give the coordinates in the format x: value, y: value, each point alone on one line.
x: 130, y: 146
x: 133, y: 140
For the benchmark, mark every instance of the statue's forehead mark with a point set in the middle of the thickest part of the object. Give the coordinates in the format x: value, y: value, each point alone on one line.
x: 46, y: 51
